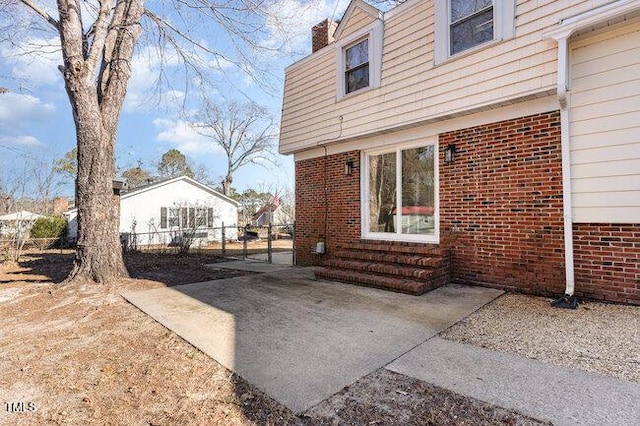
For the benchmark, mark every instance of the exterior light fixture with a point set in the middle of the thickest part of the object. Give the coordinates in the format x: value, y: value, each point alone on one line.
x: 449, y: 153
x: 348, y: 167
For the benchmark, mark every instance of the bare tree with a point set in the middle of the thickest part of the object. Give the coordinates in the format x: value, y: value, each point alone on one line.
x: 246, y: 133
x: 97, y: 41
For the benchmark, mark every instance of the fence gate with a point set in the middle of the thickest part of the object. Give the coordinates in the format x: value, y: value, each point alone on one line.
x: 273, y: 243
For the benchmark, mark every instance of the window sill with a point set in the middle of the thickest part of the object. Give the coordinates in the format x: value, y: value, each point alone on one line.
x: 470, y: 51
x: 407, y: 238
x: 355, y: 93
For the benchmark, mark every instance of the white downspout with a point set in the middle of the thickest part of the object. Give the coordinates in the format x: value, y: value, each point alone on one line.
x: 563, y: 78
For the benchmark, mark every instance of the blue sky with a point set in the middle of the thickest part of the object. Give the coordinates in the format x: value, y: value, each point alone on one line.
x: 36, y: 122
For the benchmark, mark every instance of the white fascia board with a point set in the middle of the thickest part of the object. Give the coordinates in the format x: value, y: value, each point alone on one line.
x: 595, y: 16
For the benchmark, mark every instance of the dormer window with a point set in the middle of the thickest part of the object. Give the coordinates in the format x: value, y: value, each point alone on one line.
x: 471, y: 24
x: 358, y: 60
x: 357, y: 66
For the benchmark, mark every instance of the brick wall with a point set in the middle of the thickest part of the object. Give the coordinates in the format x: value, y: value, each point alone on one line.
x: 342, y: 204
x: 501, y: 214
x: 606, y: 259
x: 501, y: 205
x: 322, y: 34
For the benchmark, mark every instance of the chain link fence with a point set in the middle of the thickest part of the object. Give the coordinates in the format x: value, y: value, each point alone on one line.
x: 274, y: 243
x: 270, y: 243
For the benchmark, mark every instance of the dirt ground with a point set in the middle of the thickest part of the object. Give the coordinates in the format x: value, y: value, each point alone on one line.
x: 83, y: 355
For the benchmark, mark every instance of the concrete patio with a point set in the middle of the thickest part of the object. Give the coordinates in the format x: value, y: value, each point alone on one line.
x: 299, y: 339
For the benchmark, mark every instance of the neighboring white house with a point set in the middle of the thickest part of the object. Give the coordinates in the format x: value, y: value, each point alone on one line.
x: 163, y: 211
x: 19, y: 221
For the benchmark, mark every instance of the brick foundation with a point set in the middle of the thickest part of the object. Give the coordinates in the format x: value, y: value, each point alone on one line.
x: 606, y: 258
x: 500, y: 214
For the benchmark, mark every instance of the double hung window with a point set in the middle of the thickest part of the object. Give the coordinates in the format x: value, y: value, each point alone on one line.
x: 470, y: 24
x: 461, y: 26
x: 357, y: 66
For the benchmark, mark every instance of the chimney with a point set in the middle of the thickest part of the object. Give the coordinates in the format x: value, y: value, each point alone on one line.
x: 60, y: 205
x: 322, y: 34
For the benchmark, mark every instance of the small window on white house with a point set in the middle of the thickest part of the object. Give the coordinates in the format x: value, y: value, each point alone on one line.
x: 174, y: 217
x: 357, y: 66
x: 470, y: 24
x: 201, y: 217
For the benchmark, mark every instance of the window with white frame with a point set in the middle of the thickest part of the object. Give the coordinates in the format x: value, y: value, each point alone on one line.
x: 400, y: 194
x: 186, y: 217
x: 462, y: 25
x: 356, y: 60
x: 359, y: 60
x: 201, y: 217
x: 470, y: 24
x: 174, y: 217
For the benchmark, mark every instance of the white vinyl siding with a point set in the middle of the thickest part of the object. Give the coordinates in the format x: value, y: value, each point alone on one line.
x: 412, y: 90
x: 605, y: 126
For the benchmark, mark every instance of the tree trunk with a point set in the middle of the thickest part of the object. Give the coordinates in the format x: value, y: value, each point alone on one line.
x: 98, y: 253
x: 96, y: 95
x: 226, y: 185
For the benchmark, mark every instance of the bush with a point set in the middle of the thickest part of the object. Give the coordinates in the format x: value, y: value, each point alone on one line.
x: 49, y: 227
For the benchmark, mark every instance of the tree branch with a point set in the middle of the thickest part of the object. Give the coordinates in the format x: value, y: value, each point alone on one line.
x: 99, y: 29
x: 37, y: 9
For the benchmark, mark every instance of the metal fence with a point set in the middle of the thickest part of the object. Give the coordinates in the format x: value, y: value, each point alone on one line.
x: 274, y: 243
x: 37, y: 244
x: 249, y: 243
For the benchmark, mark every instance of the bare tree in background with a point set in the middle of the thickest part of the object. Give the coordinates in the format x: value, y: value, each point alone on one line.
x: 246, y: 132
x: 98, y: 39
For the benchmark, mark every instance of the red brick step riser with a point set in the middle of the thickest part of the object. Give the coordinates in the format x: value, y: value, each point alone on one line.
x: 381, y: 268
x: 408, y: 286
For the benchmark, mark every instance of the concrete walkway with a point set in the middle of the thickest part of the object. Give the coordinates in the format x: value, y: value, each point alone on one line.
x: 249, y: 265
x: 561, y: 395
x: 301, y: 340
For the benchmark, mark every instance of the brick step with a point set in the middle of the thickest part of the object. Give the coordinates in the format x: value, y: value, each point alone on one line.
x: 380, y: 268
x: 402, y: 285
x: 383, y: 257
x: 394, y: 247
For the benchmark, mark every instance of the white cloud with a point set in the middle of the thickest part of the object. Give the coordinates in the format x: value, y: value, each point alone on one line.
x: 16, y: 110
x: 34, y: 60
x: 20, y: 141
x: 180, y: 134
x: 289, y: 22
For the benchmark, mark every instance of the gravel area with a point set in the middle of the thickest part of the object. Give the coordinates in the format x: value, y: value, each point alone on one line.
x: 596, y: 337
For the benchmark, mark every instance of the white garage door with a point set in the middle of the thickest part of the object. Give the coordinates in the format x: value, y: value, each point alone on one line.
x: 605, y: 126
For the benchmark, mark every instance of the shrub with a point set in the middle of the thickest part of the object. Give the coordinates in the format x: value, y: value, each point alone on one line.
x: 49, y: 227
